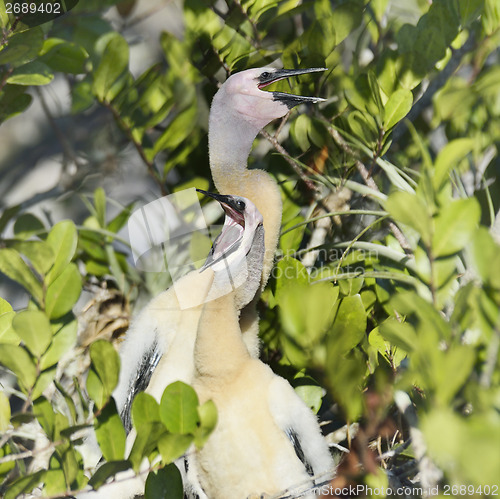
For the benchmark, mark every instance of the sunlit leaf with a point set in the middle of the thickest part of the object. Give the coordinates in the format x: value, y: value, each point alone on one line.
x: 178, y: 408
x: 63, y: 292
x: 63, y: 240
x: 110, y: 433
x: 33, y: 327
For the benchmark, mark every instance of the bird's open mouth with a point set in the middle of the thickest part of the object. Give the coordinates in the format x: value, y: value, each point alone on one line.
x: 290, y: 100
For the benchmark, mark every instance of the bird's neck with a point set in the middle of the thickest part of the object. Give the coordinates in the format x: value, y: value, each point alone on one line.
x: 230, y: 139
x: 219, y: 350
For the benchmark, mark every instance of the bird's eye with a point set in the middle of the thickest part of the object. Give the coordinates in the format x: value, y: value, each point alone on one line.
x: 240, y: 205
x: 265, y: 75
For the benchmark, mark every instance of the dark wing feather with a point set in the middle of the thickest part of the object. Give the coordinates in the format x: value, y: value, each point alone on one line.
x: 148, y: 364
x: 294, y: 438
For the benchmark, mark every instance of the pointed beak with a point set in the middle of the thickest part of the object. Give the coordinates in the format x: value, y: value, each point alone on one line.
x: 290, y: 100
x: 228, y: 206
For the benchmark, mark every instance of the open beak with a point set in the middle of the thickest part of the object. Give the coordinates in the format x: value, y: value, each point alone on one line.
x: 232, y: 232
x: 290, y: 100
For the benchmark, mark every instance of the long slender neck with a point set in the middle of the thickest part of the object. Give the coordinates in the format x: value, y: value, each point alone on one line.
x: 230, y: 139
x: 219, y: 349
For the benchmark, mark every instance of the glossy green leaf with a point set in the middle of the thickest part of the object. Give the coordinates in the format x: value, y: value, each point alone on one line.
x: 14, y: 267
x: 454, y: 226
x: 106, y: 471
x: 349, y: 326
x: 33, y: 327
x: 106, y: 363
x: 113, y: 63
x: 110, y: 433
x: 165, y: 483
x: 4, y: 412
x: 397, y: 107
x: 178, y: 408
x: 63, y: 292
x: 63, y: 239
x: 172, y: 446
x: 309, y: 391
x: 32, y: 73
x: 299, y: 131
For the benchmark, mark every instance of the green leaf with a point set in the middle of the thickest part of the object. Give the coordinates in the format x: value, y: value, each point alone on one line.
x: 22, y: 47
x: 145, y: 409
x: 7, y: 334
x: 20, y: 363
x: 63, y: 292
x: 14, y: 267
x: 24, y: 484
x: 299, y: 131
x: 165, y: 483
x: 39, y: 253
x: 178, y: 130
x: 346, y: 17
x: 110, y: 433
x: 410, y: 210
x: 106, y: 471
x: 62, y: 341
x: 309, y: 391
x: 146, y: 441
x: 13, y: 100
x: 349, y: 326
x: 95, y: 389
x: 4, y: 412
x: 208, y: 416
x: 454, y: 226
x: 306, y: 311
x: 63, y: 239
x: 100, y: 206
x: 172, y: 446
x: 32, y: 73
x: 45, y: 415
x: 106, y: 363
x: 485, y: 254
x: 399, y: 334
x: 43, y: 380
x: 178, y: 408
x: 33, y: 327
x: 62, y: 56
x: 448, y: 158
x: 27, y: 225
x: 113, y: 63
x: 397, y: 107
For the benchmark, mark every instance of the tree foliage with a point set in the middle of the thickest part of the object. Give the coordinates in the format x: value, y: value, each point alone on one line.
x: 386, y: 289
